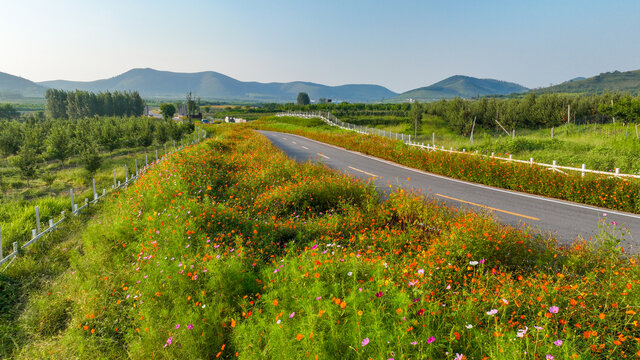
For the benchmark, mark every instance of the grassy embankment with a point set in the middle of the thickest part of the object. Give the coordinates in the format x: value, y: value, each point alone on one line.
x: 231, y: 249
x: 595, y: 190
x: 17, y: 208
x: 600, y: 147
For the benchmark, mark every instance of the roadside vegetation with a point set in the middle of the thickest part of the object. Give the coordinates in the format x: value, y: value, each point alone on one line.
x: 607, y: 192
x: 231, y: 249
x: 42, y: 159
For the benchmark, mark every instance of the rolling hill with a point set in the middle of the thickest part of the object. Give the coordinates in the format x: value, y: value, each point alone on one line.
x: 615, y: 81
x: 14, y: 87
x: 461, y: 86
x: 215, y: 86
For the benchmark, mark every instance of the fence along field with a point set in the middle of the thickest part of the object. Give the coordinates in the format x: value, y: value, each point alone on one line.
x: 334, y: 121
x: 37, y: 233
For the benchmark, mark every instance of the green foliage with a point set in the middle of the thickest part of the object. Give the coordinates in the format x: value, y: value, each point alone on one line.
x: 81, y: 104
x: 415, y: 114
x: 26, y: 162
x: 167, y: 110
x: 58, y: 142
x: 303, y: 99
x: 8, y: 111
x: 91, y: 159
x: 10, y: 137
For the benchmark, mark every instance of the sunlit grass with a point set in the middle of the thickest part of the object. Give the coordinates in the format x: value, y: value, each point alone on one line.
x: 230, y: 249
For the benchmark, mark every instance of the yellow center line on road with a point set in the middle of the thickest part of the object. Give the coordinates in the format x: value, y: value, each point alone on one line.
x: 364, y: 172
x: 489, y: 208
x: 324, y: 156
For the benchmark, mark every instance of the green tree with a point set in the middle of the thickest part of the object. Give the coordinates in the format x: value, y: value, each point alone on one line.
x: 303, y: 99
x: 58, y: 142
x: 146, y: 132
x: 162, y: 132
x: 10, y: 137
x: 26, y: 162
x: 56, y: 103
x: 167, y: 110
x: 7, y: 111
x: 91, y: 159
x: 415, y: 114
x: 110, y: 135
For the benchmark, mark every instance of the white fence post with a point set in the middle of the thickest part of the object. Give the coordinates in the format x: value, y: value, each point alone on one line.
x: 72, y: 202
x: 38, y: 219
x: 136, y: 161
x: 126, y: 173
x: 95, y: 195
x: 584, y: 167
x: 433, y: 139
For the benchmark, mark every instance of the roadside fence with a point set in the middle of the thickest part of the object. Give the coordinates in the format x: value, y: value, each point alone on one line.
x: 333, y: 121
x: 38, y: 232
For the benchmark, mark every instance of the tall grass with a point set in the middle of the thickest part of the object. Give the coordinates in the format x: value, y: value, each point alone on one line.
x: 232, y: 250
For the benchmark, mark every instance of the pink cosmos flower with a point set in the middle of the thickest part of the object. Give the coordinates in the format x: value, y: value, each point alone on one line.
x: 430, y: 340
x: 554, y: 309
x: 365, y: 341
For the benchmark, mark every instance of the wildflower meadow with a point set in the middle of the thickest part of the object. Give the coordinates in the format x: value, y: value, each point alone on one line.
x: 231, y: 250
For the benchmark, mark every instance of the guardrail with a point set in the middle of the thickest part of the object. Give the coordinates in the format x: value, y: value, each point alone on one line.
x: 75, y: 210
x: 333, y: 121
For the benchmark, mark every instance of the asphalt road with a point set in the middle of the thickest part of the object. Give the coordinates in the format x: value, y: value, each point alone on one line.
x: 565, y: 220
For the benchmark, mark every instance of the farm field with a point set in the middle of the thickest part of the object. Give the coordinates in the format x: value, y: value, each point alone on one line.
x: 230, y: 249
x: 48, y: 185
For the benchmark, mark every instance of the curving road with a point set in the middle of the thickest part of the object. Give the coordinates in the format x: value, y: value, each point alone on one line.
x: 565, y: 220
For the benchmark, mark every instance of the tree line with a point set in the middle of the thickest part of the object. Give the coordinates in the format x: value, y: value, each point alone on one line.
x: 81, y: 104
x: 530, y: 111
x: 33, y: 141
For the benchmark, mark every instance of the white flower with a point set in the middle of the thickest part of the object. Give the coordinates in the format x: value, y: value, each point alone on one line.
x: 349, y: 273
x: 469, y: 326
x: 522, y: 332
x: 473, y: 263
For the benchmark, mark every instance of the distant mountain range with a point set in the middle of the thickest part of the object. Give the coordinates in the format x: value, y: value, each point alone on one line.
x: 15, y: 87
x: 215, y: 86
x: 610, y: 81
x: 461, y: 86
x: 211, y: 85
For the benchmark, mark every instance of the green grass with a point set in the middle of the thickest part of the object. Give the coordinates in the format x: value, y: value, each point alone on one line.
x: 231, y: 249
x: 599, y: 147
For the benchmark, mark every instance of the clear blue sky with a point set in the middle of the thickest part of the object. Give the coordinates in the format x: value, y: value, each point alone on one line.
x: 398, y: 44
